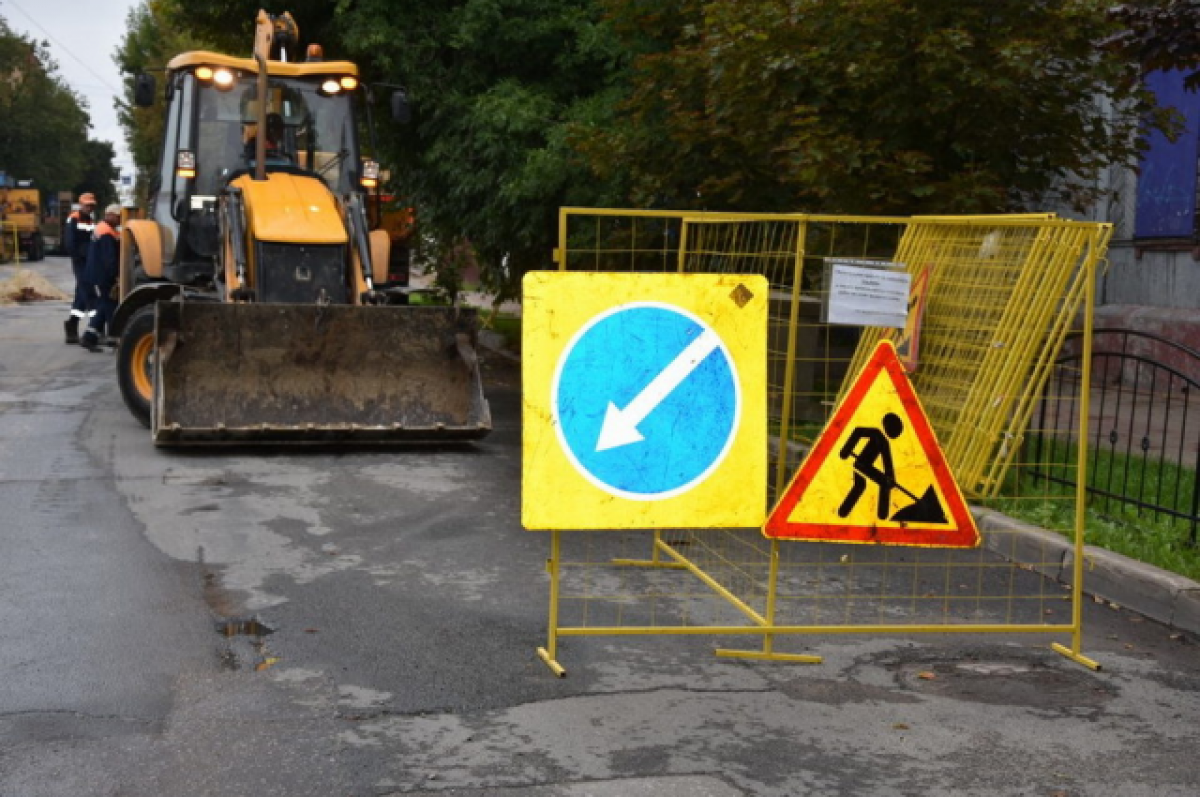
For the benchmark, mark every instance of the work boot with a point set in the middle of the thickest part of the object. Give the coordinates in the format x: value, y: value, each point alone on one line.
x: 71, y: 325
x: 90, y: 340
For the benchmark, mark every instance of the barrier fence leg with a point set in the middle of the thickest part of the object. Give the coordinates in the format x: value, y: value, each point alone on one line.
x: 768, y: 651
x: 1085, y: 389
x: 548, y: 653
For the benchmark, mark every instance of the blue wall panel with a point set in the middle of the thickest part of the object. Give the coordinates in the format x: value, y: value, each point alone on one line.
x: 1166, y: 196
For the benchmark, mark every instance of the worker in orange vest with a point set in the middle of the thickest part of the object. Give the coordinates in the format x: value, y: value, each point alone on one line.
x: 100, y: 276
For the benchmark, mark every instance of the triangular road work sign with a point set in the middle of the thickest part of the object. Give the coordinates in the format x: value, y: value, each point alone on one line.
x: 876, y: 474
x: 907, y: 340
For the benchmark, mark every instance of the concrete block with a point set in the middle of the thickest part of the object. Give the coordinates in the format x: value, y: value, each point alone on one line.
x: 1165, y: 597
x: 1187, y: 610
x: 1043, y: 551
x: 1130, y: 583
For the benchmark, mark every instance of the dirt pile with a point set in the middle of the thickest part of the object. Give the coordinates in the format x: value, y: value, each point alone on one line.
x: 28, y: 286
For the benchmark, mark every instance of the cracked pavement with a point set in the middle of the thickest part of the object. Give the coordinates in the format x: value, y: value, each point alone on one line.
x: 405, y: 602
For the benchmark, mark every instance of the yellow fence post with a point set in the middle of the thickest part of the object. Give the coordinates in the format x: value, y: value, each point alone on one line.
x: 560, y: 254
x: 789, y: 366
x: 683, y: 240
x: 1085, y: 390
x: 549, y: 653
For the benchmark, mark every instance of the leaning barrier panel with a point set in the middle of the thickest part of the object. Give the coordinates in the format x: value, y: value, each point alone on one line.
x: 1002, y: 292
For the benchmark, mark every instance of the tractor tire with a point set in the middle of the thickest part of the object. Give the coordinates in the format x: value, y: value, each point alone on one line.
x: 135, y: 364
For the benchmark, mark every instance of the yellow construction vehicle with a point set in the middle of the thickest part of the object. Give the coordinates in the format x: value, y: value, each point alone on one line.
x: 255, y: 304
x: 20, y: 222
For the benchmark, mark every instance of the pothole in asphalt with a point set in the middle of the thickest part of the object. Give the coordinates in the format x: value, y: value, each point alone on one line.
x: 198, y: 477
x: 246, y: 646
x: 1005, y: 680
x: 243, y: 626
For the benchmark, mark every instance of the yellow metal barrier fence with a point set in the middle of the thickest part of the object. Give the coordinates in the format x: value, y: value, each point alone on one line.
x: 8, y: 231
x: 1002, y: 292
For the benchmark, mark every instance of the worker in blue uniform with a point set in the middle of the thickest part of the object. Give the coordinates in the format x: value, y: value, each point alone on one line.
x: 101, y: 273
x: 76, y: 240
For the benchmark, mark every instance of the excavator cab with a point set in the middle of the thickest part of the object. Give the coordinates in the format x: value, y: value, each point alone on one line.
x: 212, y: 137
x: 253, y: 300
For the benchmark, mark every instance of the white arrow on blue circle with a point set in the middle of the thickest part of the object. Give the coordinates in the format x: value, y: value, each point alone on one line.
x: 620, y: 425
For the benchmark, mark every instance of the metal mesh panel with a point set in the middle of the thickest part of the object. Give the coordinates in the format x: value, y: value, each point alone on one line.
x: 1002, y: 296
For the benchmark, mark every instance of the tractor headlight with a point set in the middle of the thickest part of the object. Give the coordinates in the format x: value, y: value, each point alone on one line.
x: 223, y: 79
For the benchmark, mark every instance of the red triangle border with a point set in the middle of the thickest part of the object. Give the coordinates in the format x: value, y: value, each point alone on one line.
x: 961, y: 534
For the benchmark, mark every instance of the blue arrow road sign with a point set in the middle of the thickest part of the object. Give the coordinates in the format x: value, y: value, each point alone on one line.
x: 646, y: 401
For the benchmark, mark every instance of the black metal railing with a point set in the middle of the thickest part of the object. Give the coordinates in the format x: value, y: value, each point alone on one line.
x: 1144, y: 429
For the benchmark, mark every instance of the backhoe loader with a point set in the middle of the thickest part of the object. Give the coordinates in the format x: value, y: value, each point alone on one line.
x: 20, y: 221
x: 254, y: 301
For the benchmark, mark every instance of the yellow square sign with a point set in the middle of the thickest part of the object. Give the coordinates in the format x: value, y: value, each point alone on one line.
x: 644, y: 400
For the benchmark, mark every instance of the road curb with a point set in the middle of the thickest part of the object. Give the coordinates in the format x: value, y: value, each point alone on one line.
x: 1171, y: 599
x: 1042, y: 551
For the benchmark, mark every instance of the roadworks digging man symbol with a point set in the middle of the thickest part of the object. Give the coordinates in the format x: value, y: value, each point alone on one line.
x: 878, y: 449
x: 876, y: 474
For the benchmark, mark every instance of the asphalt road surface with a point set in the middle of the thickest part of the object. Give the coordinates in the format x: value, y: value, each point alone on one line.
x: 363, y: 622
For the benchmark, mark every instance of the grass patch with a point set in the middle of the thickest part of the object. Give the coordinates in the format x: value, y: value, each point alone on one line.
x: 429, y: 298
x: 1156, y: 542
x: 1149, y: 480
x: 1152, y: 537
x: 507, y: 326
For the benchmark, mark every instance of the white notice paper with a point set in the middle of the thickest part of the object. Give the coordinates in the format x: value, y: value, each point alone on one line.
x: 866, y: 295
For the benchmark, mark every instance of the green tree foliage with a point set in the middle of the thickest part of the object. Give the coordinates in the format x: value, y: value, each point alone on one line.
x: 872, y: 106
x: 44, y: 124
x: 155, y: 32
x: 99, y: 172
x: 495, y: 86
x: 1160, y: 35
x: 229, y: 24
x: 863, y: 106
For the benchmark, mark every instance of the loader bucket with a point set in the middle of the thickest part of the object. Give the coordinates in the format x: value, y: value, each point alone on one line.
x: 284, y: 373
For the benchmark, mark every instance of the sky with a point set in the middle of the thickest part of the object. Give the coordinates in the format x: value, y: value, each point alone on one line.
x: 83, y: 37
